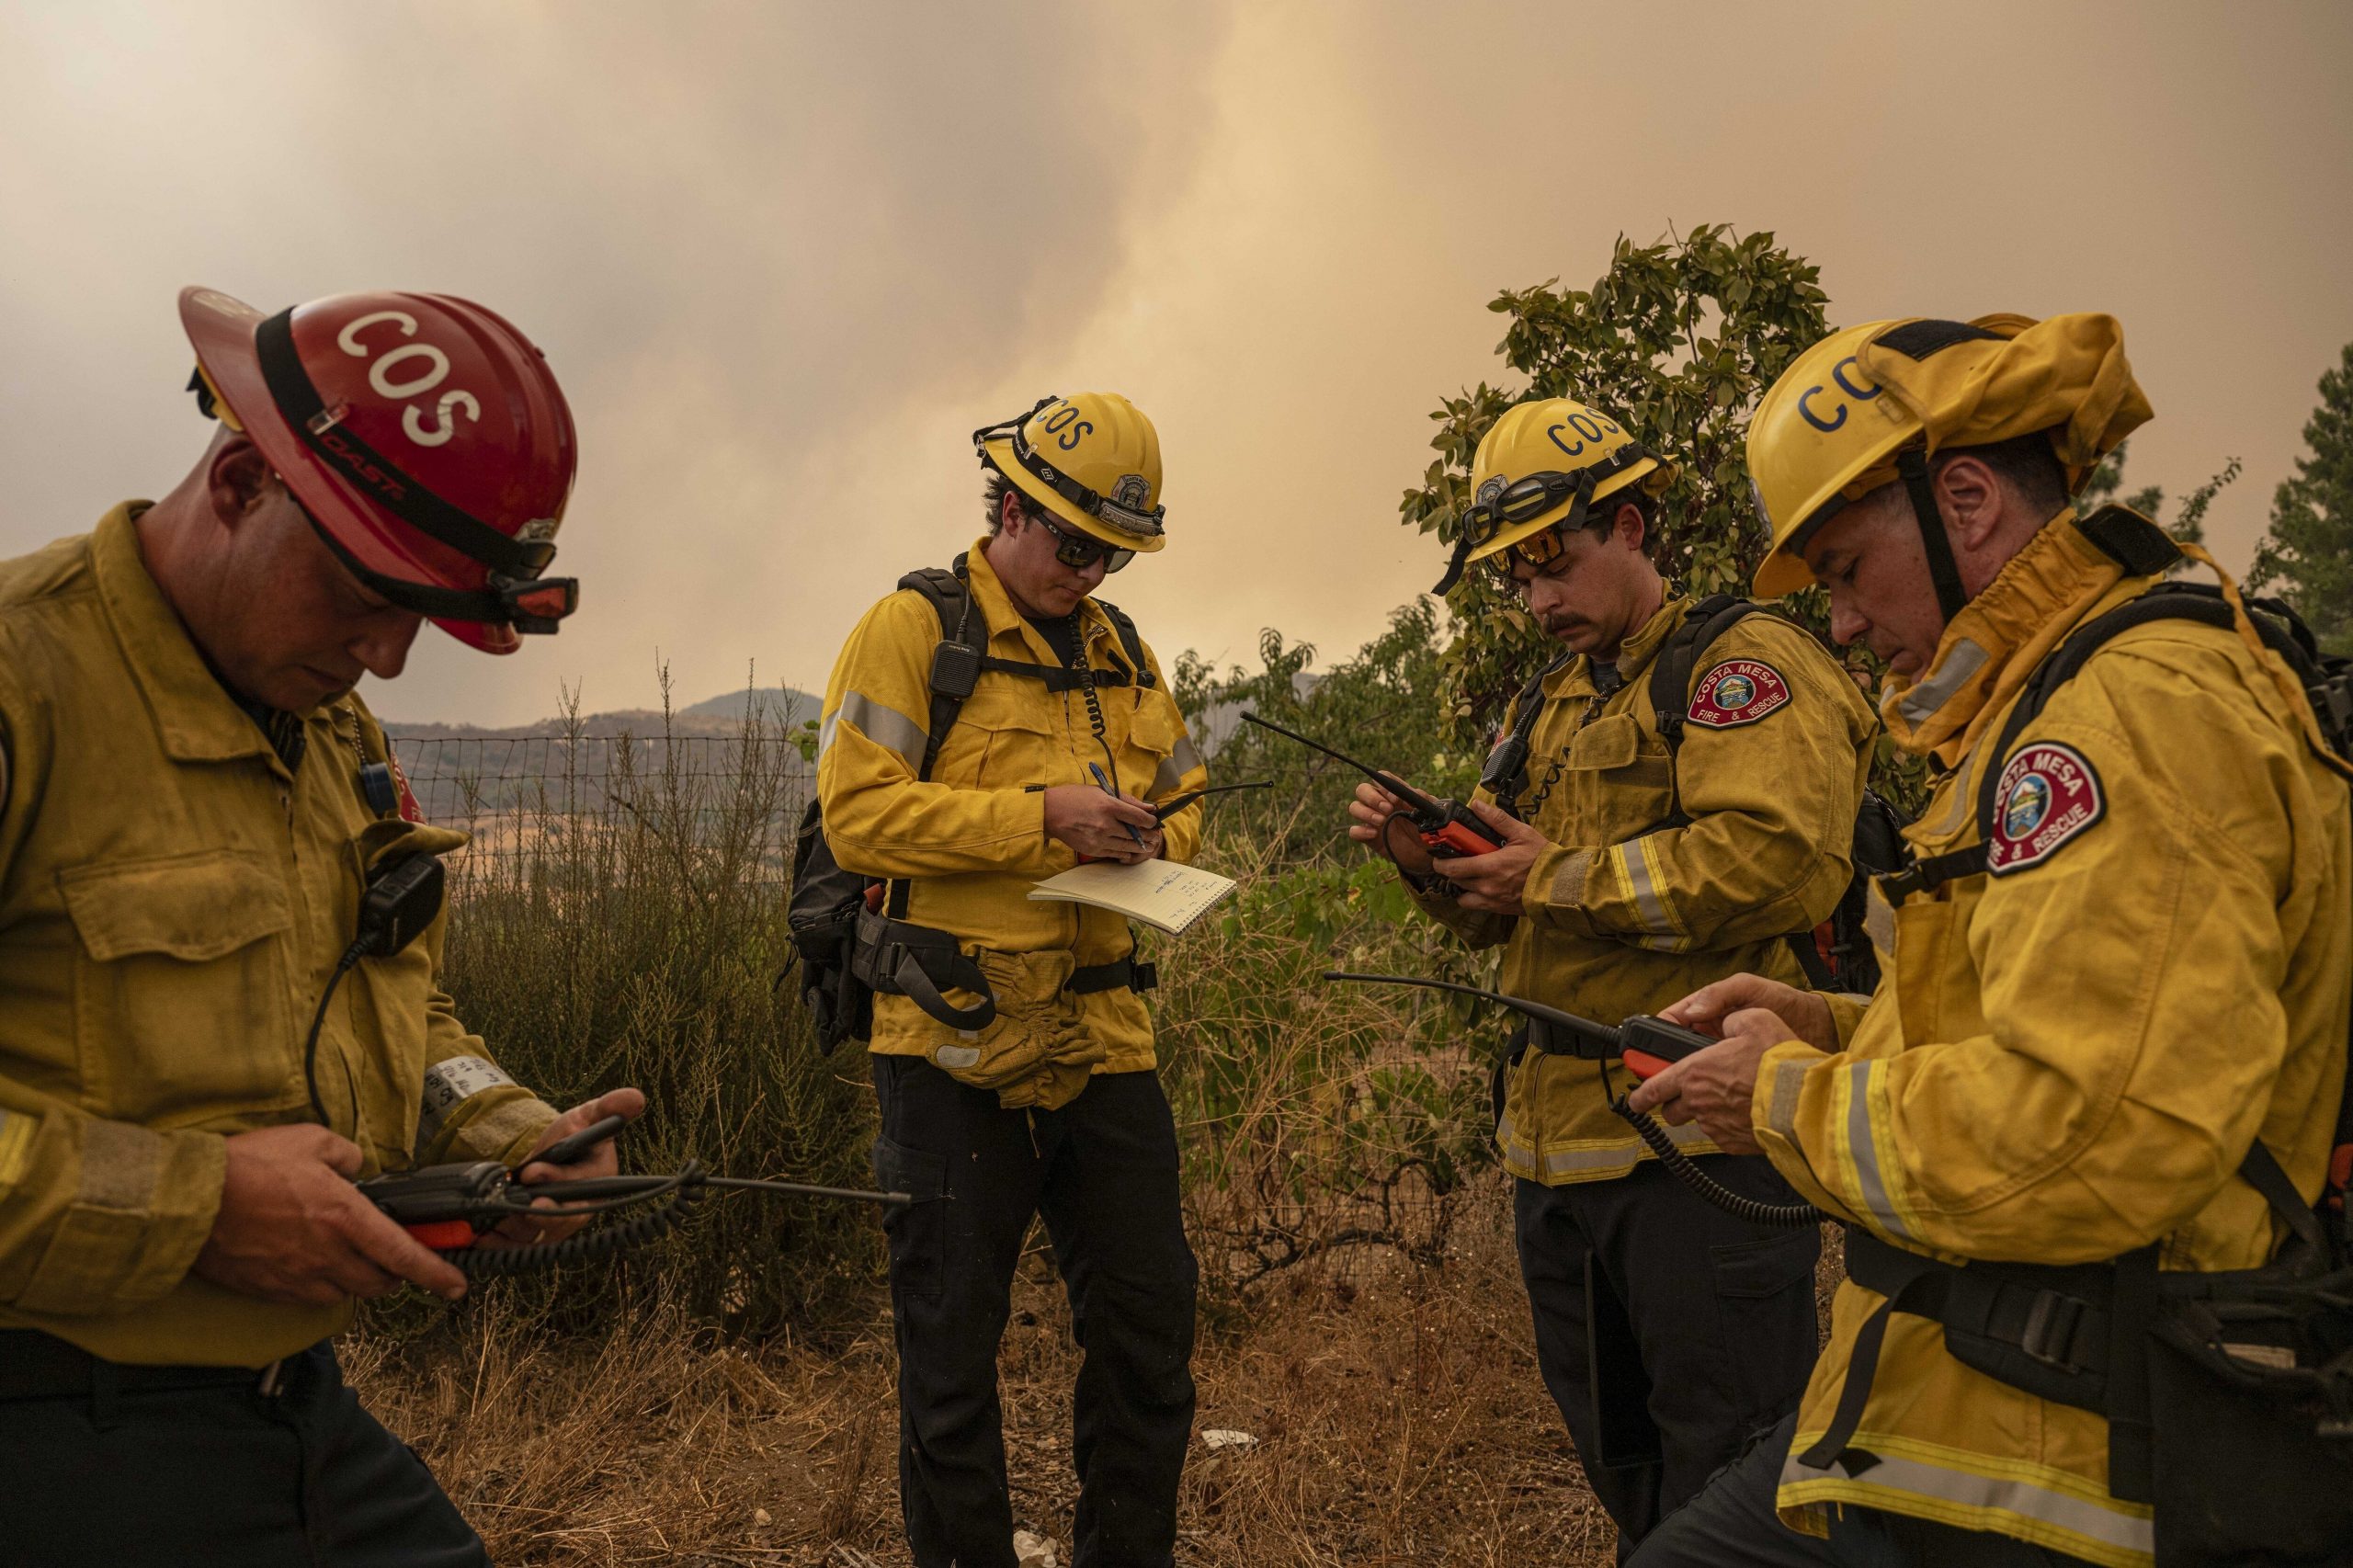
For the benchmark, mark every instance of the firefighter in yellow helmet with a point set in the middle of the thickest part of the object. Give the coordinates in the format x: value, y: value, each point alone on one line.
x: 987, y: 726
x: 1674, y: 797
x: 2108, y: 1061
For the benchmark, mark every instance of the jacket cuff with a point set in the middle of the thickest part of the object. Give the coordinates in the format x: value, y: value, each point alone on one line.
x: 144, y: 1208
x: 1846, y: 1011
x: 506, y: 1128
x: 1555, y: 894
x: 1773, y: 1116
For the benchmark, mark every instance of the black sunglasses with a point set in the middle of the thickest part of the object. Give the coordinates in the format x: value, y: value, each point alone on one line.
x: 1078, y: 552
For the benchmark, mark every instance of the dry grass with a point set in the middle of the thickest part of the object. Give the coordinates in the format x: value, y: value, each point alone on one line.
x: 1397, y: 1409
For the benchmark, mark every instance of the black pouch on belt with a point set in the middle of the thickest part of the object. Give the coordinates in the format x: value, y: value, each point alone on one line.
x: 2251, y: 1416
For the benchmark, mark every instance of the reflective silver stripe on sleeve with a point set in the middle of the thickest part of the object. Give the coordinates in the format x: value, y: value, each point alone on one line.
x: 885, y: 726
x: 1859, y: 1140
x: 447, y: 1084
x: 1983, y: 1495
x: 1960, y: 668
x: 1646, y: 898
x: 1173, y: 767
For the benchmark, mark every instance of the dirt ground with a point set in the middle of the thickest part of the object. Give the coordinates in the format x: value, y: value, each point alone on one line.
x: 1395, y: 1409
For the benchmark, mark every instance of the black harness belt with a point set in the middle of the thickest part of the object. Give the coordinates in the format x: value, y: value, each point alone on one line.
x: 898, y: 957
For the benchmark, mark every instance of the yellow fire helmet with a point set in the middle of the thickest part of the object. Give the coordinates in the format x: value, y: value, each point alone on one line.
x: 1541, y: 466
x: 1092, y: 459
x: 1871, y: 405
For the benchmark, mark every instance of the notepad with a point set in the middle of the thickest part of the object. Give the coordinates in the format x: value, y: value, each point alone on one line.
x: 1160, y: 894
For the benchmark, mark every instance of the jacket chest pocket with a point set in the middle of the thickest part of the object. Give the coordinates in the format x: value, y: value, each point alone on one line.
x: 1001, y: 740
x: 180, y: 990
x: 1936, y: 980
x: 1149, y: 767
x: 1613, y: 787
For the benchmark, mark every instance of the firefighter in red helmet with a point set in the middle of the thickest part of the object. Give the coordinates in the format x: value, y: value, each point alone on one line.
x: 193, y: 801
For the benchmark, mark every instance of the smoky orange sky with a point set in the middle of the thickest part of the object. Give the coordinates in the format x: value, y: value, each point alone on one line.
x: 786, y: 257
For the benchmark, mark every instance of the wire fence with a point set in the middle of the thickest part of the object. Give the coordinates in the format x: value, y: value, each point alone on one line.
x: 522, y: 796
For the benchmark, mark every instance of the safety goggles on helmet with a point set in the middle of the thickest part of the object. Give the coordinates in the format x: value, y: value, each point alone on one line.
x: 1527, y: 498
x: 1134, y: 521
x: 1538, y: 549
x: 1079, y: 552
x: 530, y: 605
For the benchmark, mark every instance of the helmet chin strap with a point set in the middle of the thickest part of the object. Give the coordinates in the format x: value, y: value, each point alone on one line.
x: 1911, y: 466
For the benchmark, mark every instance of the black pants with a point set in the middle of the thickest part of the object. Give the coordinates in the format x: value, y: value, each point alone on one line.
x: 1732, y: 1525
x: 1667, y: 1330
x: 122, y: 1475
x: 1103, y: 1172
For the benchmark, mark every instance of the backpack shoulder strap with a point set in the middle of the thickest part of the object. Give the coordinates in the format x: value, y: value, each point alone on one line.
x: 950, y: 598
x: 1671, y: 672
x: 1506, y: 766
x: 955, y: 669
x: 2167, y: 601
x: 1130, y: 642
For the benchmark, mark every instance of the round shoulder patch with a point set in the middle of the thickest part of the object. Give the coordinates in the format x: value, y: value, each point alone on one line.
x: 2048, y: 794
x: 1737, y: 692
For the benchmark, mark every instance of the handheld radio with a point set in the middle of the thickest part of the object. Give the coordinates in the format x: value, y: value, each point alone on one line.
x: 449, y: 1208
x: 1447, y: 828
x: 1645, y: 1043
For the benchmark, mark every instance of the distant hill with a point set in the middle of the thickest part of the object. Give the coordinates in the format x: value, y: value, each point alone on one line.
x: 459, y: 772
x: 785, y: 705
x: 788, y: 704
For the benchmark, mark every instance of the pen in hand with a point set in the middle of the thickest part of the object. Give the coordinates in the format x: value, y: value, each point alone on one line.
x: 1103, y: 778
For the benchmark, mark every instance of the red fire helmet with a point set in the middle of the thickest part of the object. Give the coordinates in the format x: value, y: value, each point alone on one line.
x: 425, y: 438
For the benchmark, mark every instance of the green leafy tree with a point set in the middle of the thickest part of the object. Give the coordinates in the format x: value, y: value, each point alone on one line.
x: 1385, y: 705
x: 2105, y: 485
x: 1677, y: 341
x: 2307, y: 555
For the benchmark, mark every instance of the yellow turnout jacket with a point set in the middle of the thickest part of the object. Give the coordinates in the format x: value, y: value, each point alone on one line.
x: 1623, y: 914
x: 172, y: 899
x: 971, y: 841
x: 2068, y: 1058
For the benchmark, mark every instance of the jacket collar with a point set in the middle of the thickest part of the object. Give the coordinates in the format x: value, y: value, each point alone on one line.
x: 996, y: 607
x: 1993, y: 644
x: 193, y: 712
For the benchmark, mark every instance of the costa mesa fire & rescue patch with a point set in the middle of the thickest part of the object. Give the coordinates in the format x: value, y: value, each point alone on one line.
x: 2048, y: 794
x: 1737, y: 692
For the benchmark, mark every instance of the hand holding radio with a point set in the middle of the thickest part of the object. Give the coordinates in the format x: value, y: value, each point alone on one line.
x: 1803, y: 1014
x: 1494, y: 882
x: 291, y: 1227
x: 1716, y: 1088
x: 577, y: 1145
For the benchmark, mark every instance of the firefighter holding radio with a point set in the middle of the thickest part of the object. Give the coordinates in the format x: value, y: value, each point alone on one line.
x: 1672, y: 800
x: 206, y: 849
x: 2081, y: 1140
